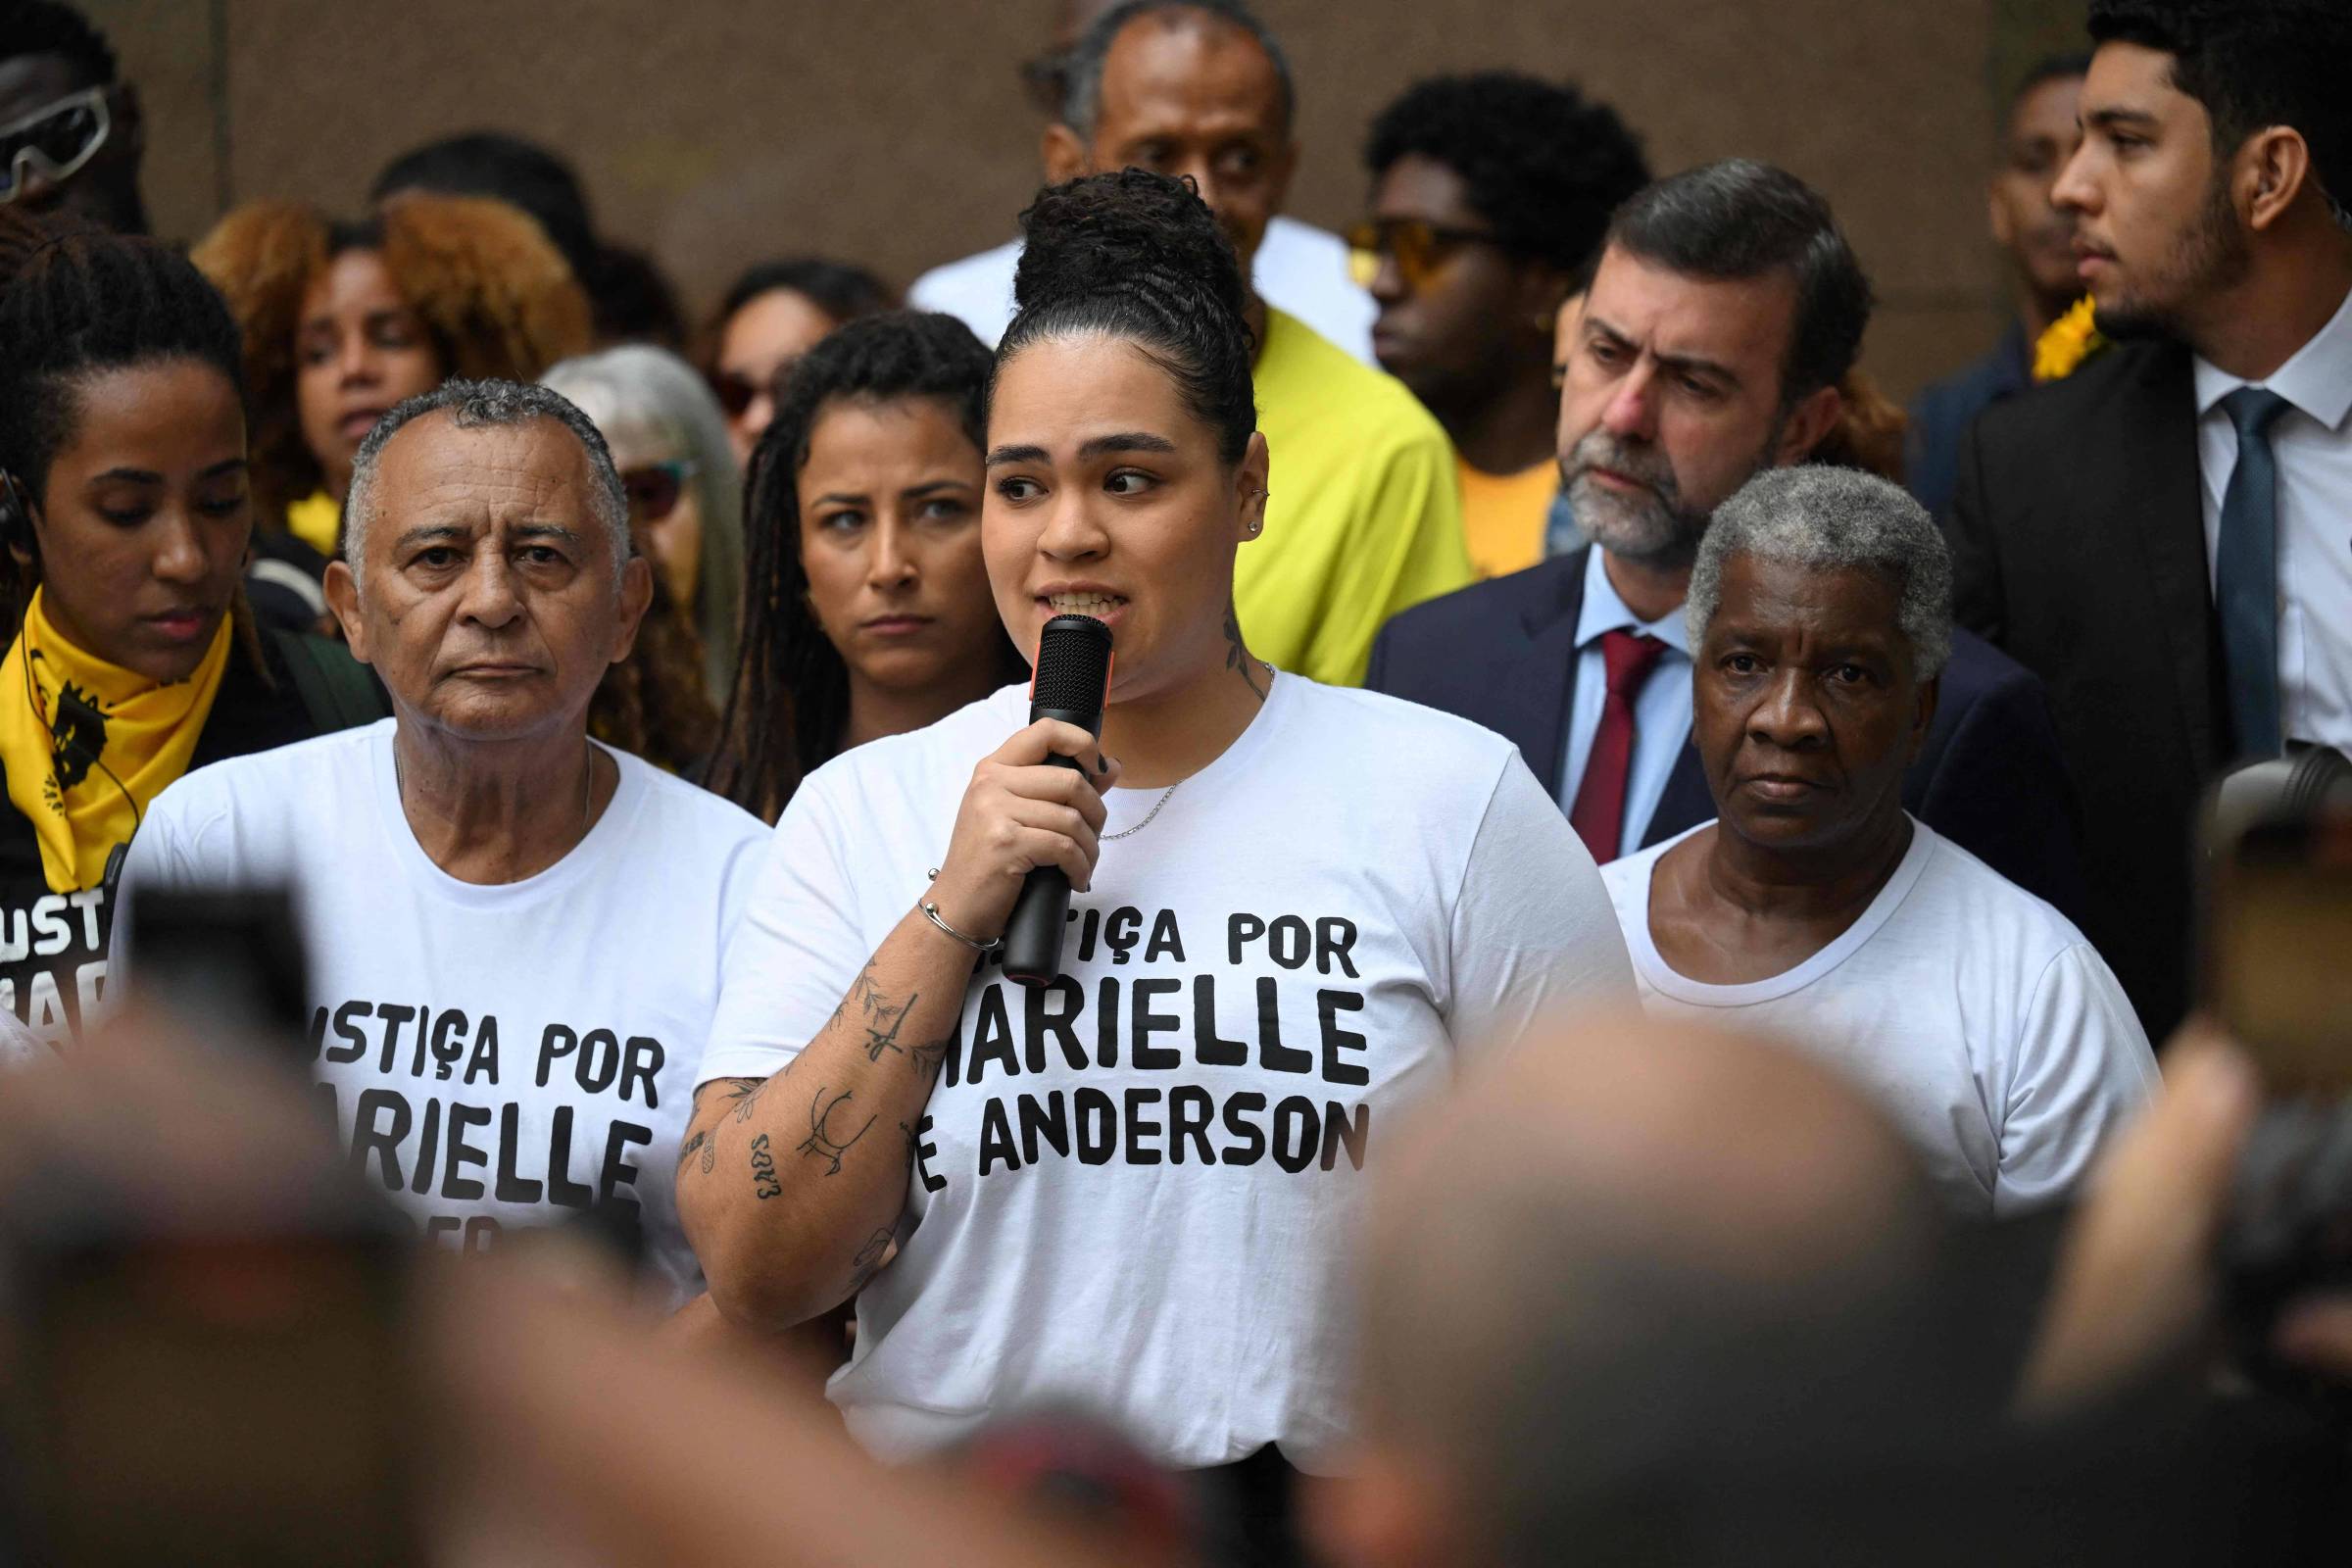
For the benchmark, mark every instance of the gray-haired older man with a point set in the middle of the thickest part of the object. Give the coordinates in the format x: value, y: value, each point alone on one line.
x: 1815, y: 908
x: 514, y: 932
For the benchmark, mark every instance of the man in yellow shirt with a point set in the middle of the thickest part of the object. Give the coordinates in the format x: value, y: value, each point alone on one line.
x: 1490, y: 194
x: 1365, y: 514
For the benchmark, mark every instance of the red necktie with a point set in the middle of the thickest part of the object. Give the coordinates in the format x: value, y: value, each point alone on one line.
x: 1599, y: 813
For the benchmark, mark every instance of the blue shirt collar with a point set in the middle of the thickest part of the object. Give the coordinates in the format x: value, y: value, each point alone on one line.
x: 1604, y: 611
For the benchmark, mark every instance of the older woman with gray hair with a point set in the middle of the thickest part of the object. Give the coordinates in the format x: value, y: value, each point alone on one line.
x: 514, y: 931
x: 1815, y: 908
x: 669, y: 438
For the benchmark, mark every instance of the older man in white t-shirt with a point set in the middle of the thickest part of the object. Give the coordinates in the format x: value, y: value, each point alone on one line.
x: 514, y: 933
x: 1815, y: 907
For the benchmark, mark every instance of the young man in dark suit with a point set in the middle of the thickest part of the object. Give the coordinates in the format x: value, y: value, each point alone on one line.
x: 2165, y: 536
x: 1724, y: 312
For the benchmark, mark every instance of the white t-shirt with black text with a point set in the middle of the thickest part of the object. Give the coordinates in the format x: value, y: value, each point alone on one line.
x: 499, y: 1055
x: 1981, y: 1021
x: 1135, y: 1186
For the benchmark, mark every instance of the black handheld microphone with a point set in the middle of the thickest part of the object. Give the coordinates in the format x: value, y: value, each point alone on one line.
x: 1071, y: 684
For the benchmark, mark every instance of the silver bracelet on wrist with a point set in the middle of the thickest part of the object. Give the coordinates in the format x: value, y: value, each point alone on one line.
x: 932, y: 914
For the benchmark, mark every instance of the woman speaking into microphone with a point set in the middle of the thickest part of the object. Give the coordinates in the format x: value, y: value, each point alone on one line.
x: 1295, y: 906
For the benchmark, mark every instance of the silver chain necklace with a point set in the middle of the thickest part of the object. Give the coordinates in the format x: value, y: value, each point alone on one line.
x: 1148, y: 817
x: 1130, y: 832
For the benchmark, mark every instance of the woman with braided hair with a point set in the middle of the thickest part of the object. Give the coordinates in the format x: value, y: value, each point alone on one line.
x: 1297, y: 908
x: 868, y: 611
x: 126, y: 513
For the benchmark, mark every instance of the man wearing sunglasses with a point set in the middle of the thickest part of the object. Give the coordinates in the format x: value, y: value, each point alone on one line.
x: 1489, y: 195
x: 1724, y: 312
x: 70, y: 131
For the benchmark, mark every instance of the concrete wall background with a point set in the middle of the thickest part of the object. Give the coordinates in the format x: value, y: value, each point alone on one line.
x: 717, y: 131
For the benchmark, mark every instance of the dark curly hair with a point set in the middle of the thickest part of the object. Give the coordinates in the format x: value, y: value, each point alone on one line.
x: 30, y: 28
x: 1138, y: 256
x: 509, y: 168
x: 791, y: 694
x: 497, y: 299
x: 77, y: 301
x: 2254, y: 62
x: 1542, y: 165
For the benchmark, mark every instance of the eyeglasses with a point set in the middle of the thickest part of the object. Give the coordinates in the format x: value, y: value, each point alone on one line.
x: 53, y: 142
x: 653, y: 489
x: 1418, y: 248
x: 734, y: 392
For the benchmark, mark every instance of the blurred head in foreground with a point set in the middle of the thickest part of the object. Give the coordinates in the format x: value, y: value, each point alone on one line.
x: 1618, y: 1289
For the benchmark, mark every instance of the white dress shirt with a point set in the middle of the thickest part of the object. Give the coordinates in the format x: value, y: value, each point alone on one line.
x: 1661, y: 709
x: 2312, y: 441
x: 1300, y: 268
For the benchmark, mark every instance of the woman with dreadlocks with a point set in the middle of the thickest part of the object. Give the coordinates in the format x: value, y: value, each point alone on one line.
x: 868, y: 611
x: 126, y: 512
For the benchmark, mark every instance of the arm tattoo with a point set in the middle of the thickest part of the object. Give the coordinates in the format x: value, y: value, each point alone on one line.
x: 764, y: 1170
x: 860, y: 994
x: 1238, y: 657
x: 877, y: 1039
x: 745, y: 1092
x: 868, y: 1259
x: 930, y: 1056
x: 821, y: 1141
x: 706, y: 1143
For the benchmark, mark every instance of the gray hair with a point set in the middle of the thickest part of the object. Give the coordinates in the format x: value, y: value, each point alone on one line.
x: 637, y: 386
x: 472, y: 405
x: 1833, y: 520
x: 1082, y: 78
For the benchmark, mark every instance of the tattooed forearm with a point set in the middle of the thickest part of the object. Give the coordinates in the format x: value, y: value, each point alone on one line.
x: 823, y: 1140
x: 764, y: 1170
x: 1238, y: 657
x: 868, y: 1259
x: 701, y: 1143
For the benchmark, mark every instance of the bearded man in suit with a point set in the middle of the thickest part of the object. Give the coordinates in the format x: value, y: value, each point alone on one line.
x: 2165, y: 536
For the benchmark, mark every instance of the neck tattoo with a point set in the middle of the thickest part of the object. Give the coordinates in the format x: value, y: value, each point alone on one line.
x: 1238, y: 657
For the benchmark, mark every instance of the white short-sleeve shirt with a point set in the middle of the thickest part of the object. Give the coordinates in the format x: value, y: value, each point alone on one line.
x: 1981, y: 1021
x: 499, y: 1055
x: 1132, y: 1186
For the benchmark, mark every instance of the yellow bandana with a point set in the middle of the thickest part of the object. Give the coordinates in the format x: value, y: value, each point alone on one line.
x: 316, y: 520
x: 88, y: 746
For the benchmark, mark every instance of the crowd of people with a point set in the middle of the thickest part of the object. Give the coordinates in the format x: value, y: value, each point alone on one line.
x: 1629, y: 991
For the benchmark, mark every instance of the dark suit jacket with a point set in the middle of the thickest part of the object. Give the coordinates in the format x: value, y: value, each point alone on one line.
x: 2079, y: 537
x: 1502, y: 654
x: 1942, y: 415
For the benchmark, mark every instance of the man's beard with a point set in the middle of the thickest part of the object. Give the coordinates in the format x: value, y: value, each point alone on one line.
x: 1655, y: 527
x: 2211, y: 256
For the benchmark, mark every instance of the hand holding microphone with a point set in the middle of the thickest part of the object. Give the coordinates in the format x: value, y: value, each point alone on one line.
x: 1029, y: 827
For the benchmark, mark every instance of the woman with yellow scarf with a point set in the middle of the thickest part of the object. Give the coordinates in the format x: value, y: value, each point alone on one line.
x: 124, y: 521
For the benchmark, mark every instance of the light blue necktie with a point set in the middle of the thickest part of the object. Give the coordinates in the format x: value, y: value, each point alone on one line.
x: 2246, y: 573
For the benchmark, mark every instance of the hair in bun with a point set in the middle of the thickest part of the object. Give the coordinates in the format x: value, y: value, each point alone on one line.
x: 1138, y: 256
